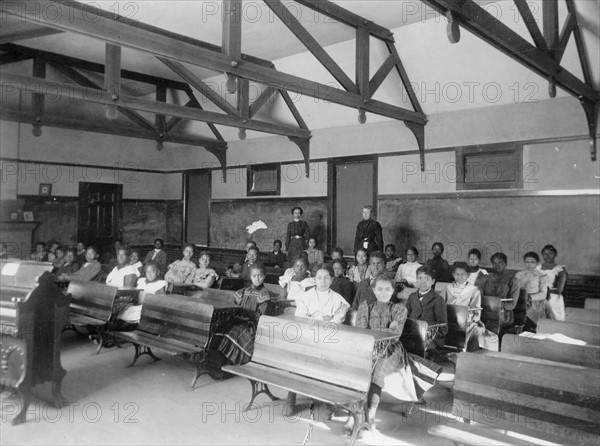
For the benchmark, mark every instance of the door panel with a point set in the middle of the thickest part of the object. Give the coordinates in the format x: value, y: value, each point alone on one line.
x: 99, y: 214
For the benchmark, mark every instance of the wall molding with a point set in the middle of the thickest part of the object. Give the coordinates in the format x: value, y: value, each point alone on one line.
x: 495, y: 194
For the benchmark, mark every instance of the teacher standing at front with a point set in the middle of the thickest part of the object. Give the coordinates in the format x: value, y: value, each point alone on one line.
x: 368, y: 233
x: 298, y: 234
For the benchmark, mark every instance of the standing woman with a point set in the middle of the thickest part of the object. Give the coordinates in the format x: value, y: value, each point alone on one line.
x: 557, y: 279
x: 298, y: 234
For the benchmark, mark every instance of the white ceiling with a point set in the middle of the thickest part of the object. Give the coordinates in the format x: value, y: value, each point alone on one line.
x: 420, y: 39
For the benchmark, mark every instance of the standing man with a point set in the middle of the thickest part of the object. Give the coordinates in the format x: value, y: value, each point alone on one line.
x: 158, y: 256
x: 368, y: 233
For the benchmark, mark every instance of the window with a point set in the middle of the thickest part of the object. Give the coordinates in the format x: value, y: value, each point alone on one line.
x: 264, y: 179
x: 493, y: 166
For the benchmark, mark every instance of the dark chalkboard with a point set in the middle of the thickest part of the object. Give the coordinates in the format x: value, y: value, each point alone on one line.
x: 513, y: 225
x: 143, y: 221
x: 229, y: 219
x: 57, y: 217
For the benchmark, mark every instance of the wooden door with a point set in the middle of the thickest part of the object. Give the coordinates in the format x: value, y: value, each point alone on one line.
x: 99, y: 214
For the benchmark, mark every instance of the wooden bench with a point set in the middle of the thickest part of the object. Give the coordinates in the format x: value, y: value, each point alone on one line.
x: 312, y: 358
x: 588, y: 333
x: 92, y: 304
x: 582, y: 316
x: 545, y: 400
x: 175, y: 324
x: 458, y: 320
x: 584, y: 355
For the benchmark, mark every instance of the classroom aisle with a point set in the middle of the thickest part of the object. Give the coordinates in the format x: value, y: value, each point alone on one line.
x: 152, y: 404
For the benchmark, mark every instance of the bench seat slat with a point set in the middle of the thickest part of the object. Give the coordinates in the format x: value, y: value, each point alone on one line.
x: 317, y: 390
x: 170, y: 345
x: 81, y: 319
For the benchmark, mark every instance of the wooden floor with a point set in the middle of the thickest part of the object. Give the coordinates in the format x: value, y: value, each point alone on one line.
x: 152, y: 404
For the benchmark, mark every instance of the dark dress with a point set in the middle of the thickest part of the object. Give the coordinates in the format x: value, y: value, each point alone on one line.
x: 343, y: 286
x: 368, y: 231
x: 278, y: 259
x: 238, y: 343
x: 297, y: 235
x: 440, y: 269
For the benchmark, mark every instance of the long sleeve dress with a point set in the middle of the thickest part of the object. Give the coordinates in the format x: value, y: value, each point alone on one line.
x: 402, y: 375
x: 555, y: 300
x: 536, y: 284
x: 296, y: 237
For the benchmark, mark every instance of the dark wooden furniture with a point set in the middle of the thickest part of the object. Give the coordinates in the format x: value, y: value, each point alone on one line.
x: 300, y: 355
x: 584, y: 332
x: 92, y: 306
x: 179, y: 325
x: 547, y: 400
x: 458, y: 321
x: 582, y: 316
x: 536, y: 347
x: 32, y: 316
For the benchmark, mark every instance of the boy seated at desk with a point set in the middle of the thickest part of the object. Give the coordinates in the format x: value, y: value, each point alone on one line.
x: 129, y: 317
x: 296, y: 280
x: 243, y: 271
x: 117, y: 276
x: 89, y: 270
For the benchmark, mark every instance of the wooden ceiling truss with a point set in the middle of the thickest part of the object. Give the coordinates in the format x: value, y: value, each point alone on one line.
x: 175, y: 51
x: 543, y: 57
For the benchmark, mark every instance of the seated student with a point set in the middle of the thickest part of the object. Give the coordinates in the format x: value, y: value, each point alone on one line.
x: 461, y: 292
x: 296, y: 280
x: 151, y: 283
x: 384, y: 315
x: 360, y: 271
x: 315, y: 256
x: 90, y: 269
x: 476, y: 273
x: 117, y: 276
x: 503, y: 285
x: 69, y: 263
x: 129, y: 317
x: 134, y: 260
x: 277, y: 255
x: 438, y: 266
x: 52, y: 247
x: 427, y: 305
x: 238, y: 343
x: 536, y: 283
x: 158, y: 255
x: 237, y: 267
x: 340, y: 283
x: 320, y: 303
x: 80, y: 253
x: 180, y: 270
x: 365, y: 288
x: 59, y: 258
x: 243, y: 270
x: 40, y: 254
x: 407, y: 273
x: 337, y: 253
x: 557, y: 279
x: 391, y: 261
x: 203, y: 277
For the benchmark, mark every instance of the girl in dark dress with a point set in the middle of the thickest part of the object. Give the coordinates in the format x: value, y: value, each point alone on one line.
x: 298, y: 234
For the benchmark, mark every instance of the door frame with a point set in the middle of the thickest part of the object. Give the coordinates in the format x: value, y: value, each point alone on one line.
x: 332, y: 164
x: 83, y: 189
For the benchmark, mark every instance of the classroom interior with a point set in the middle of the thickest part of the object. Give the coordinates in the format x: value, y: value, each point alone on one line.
x: 507, y: 163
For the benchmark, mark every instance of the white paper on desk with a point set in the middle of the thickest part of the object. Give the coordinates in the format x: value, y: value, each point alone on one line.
x: 10, y: 269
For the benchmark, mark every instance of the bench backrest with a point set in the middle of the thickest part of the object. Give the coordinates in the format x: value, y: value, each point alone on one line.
x: 232, y: 283
x: 458, y: 318
x: 584, y: 332
x: 173, y: 316
x: 549, y: 400
x: 414, y: 336
x: 225, y: 296
x: 315, y: 349
x: 582, y: 316
x: 92, y: 298
x: 520, y: 310
x: 584, y: 355
x: 490, y: 315
x: 592, y: 303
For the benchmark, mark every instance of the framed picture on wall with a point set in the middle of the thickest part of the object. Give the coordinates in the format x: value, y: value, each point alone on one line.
x: 45, y: 189
x: 28, y: 216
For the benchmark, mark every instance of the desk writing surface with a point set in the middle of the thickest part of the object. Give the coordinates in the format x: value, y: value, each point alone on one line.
x: 218, y: 302
x: 378, y: 335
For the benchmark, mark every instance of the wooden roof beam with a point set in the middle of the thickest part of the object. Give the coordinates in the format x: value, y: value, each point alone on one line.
x: 105, y: 26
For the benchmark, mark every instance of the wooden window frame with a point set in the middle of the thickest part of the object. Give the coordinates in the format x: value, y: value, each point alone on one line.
x: 510, y: 149
x: 253, y: 169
